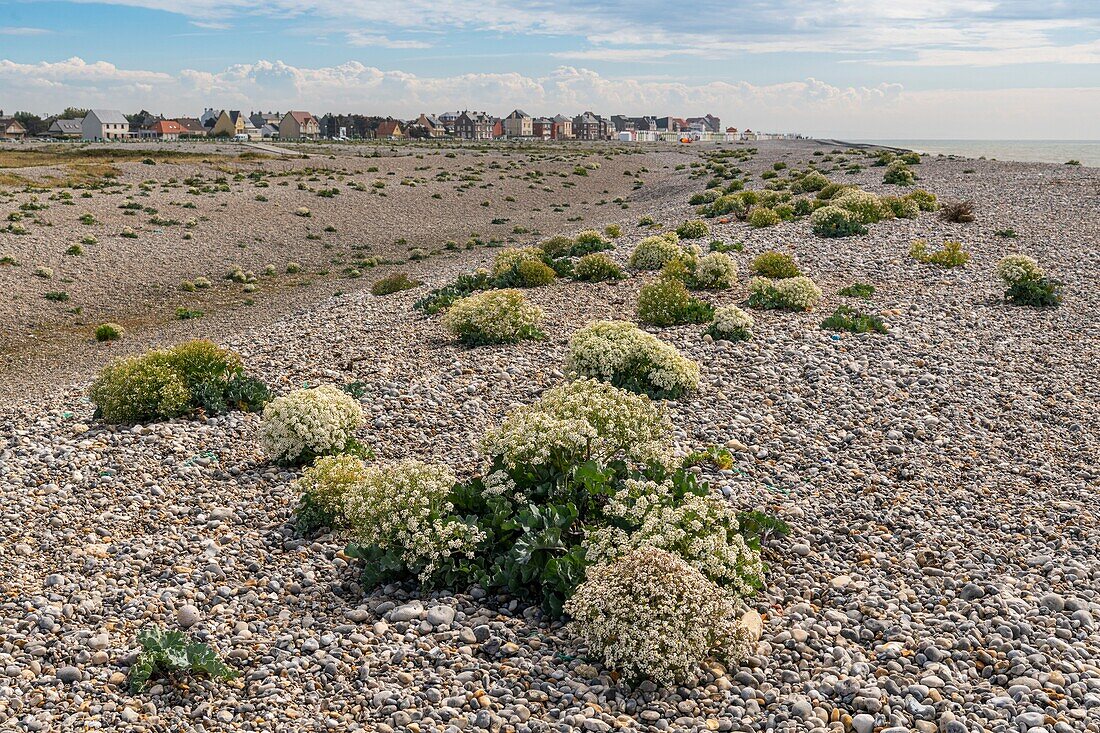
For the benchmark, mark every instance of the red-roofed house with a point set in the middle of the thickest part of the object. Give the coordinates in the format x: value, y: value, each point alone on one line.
x: 166, y: 129
x: 297, y: 125
x: 389, y: 130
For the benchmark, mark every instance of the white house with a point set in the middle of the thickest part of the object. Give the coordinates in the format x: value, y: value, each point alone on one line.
x: 104, y: 124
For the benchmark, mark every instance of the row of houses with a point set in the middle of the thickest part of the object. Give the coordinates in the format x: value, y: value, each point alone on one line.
x: 101, y: 124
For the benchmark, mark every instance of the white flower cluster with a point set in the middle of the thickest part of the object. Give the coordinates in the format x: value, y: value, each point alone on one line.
x: 828, y: 214
x: 1013, y: 269
x: 404, y: 506
x: 650, y: 614
x: 703, y: 530
x: 511, y: 257
x: 731, y: 323
x: 493, y: 317
x: 652, y: 253
x: 621, y: 353
x: 309, y: 422
x: 864, y: 205
x: 792, y: 293
x: 580, y: 421
x: 715, y: 271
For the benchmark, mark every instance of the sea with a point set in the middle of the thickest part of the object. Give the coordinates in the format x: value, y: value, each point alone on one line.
x: 1087, y: 152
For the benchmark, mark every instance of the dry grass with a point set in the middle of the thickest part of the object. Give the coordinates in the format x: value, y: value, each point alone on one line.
x: 81, y: 155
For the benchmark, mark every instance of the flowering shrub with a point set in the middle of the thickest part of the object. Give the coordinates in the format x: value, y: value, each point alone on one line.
x: 898, y: 174
x: 728, y: 205
x: 622, y: 354
x: 597, y: 267
x: 587, y: 242
x: 508, y: 259
x: 866, y: 207
x: 1016, y: 268
x: 951, y: 255
x: 532, y: 274
x: 1027, y: 283
x: 653, y: 252
x: 902, y: 207
x: 651, y: 614
x: 493, y: 317
x: 169, y: 383
x: 731, y: 323
x: 925, y: 200
x: 403, y: 521
x: 833, y: 221
x: 325, y: 486
x: 667, y: 302
x: 585, y: 420
x: 775, y: 264
x: 693, y: 229
x: 812, y: 181
x: 714, y: 271
x: 763, y: 216
x: 795, y: 293
x: 307, y: 423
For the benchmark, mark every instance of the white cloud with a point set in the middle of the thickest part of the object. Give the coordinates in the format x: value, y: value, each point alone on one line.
x: 356, y: 38
x: 809, y: 106
x: 12, y: 30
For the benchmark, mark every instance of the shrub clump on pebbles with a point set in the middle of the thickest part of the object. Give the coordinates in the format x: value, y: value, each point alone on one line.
x: 394, y: 283
x: 714, y: 271
x: 833, y: 222
x: 950, y: 255
x: 621, y: 353
x: 773, y: 264
x: 597, y: 267
x: 795, y: 293
x: 525, y: 267
x: 685, y: 617
x: 899, y: 174
x: 493, y: 317
x: 402, y: 519
x: 667, y: 302
x: 108, y: 332
x: 853, y: 320
x: 731, y: 324
x: 694, y: 229
x: 762, y: 216
x: 1026, y: 282
x: 652, y: 253
x: 170, y: 383
x: 304, y: 424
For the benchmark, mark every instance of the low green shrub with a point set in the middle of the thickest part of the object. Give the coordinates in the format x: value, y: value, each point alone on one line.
x: 833, y: 221
x: 901, y: 207
x: 773, y: 264
x: 694, y: 229
x: 493, y: 317
x: 858, y: 290
x: 170, y: 383
x: 762, y: 216
x: 667, y: 302
x: 597, y: 267
x: 443, y: 297
x: 557, y: 246
x: 793, y: 293
x: 394, y: 283
x: 620, y: 353
x: 898, y: 174
x: 925, y: 200
x: 1026, y: 282
x: 847, y: 318
x: 950, y: 255
x: 108, y: 332
x: 171, y: 653
x: 533, y: 274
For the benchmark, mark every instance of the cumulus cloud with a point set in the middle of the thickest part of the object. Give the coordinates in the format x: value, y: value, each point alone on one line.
x: 811, y: 106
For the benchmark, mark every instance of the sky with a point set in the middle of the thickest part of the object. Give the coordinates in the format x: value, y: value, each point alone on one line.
x: 856, y: 69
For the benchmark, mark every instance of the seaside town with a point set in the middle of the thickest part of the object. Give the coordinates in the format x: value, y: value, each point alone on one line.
x: 101, y: 125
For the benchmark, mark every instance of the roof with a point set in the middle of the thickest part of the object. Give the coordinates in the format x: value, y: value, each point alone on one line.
x: 389, y: 127
x: 301, y: 117
x: 561, y: 118
x: 190, y: 124
x: 518, y: 114
x: 109, y: 116
x: 8, y: 123
x: 66, y: 125
x: 167, y: 126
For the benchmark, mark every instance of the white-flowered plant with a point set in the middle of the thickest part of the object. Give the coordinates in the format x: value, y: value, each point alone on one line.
x: 651, y: 614
x: 1013, y: 269
x: 715, y: 271
x: 653, y: 253
x: 493, y: 317
x: 792, y: 293
x: 703, y: 530
x: 867, y: 207
x: 404, y: 507
x: 731, y: 323
x: 580, y: 421
x: 307, y: 423
x: 626, y: 356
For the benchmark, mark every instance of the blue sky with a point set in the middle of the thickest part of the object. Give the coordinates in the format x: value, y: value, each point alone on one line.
x: 856, y: 68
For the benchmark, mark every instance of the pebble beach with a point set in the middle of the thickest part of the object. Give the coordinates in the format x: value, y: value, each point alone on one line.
x: 940, y: 480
